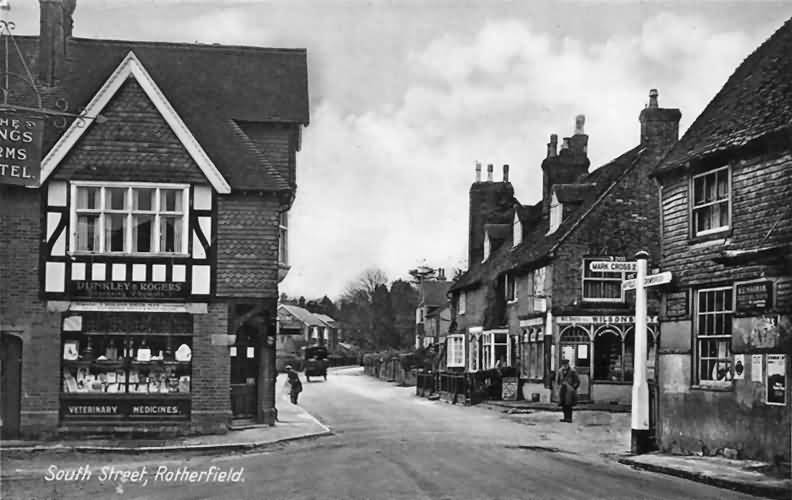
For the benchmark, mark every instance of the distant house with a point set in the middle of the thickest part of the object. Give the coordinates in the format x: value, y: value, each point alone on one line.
x: 296, y: 318
x: 331, y: 331
x: 433, y: 314
x: 726, y: 199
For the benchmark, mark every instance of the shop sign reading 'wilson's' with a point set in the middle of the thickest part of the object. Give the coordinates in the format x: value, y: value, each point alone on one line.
x: 20, y: 149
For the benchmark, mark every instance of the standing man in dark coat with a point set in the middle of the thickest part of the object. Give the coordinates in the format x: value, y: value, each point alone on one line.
x: 568, y: 383
x: 295, y: 386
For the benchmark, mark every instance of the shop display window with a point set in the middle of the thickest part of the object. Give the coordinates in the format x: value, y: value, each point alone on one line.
x: 99, y: 363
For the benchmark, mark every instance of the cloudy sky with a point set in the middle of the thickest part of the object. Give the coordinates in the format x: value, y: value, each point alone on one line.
x: 406, y: 95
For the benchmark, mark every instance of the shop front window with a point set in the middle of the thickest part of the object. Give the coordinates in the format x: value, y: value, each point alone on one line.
x: 608, y: 356
x: 99, y: 366
x: 495, y: 350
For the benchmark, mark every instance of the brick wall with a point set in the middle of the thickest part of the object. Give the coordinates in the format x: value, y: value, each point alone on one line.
x: 623, y: 223
x: 247, y: 245
x: 134, y: 143
x: 22, y: 312
x: 211, y: 371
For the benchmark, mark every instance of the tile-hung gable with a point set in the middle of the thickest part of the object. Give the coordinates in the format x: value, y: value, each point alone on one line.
x: 727, y: 238
x: 155, y: 241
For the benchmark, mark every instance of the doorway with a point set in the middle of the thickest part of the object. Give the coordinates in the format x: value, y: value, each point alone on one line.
x: 10, y: 385
x: 244, y: 373
x: 576, y: 347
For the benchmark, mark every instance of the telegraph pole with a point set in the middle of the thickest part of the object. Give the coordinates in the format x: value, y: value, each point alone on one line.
x: 640, y: 389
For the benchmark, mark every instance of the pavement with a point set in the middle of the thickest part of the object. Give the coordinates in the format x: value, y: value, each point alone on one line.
x: 605, y: 429
x: 293, y: 423
x: 747, y: 476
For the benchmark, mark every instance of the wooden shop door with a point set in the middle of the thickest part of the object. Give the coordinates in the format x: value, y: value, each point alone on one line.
x: 10, y: 384
x: 244, y: 374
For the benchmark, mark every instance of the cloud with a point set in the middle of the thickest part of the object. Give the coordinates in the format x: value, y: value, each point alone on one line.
x: 388, y: 187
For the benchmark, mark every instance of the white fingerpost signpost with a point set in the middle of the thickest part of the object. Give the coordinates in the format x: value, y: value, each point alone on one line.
x: 640, y: 391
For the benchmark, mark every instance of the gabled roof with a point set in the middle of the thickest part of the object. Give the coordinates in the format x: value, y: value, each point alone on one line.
x: 327, y: 320
x: 303, y: 315
x: 537, y: 246
x: 131, y: 67
x: 211, y: 88
x: 756, y: 100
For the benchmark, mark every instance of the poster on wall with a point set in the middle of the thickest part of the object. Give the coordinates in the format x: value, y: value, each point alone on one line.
x: 776, y: 379
x: 582, y: 351
x: 739, y: 366
x: 757, y: 374
x: 568, y: 353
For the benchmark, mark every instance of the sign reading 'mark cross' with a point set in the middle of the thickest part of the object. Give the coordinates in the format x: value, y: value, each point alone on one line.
x: 20, y: 149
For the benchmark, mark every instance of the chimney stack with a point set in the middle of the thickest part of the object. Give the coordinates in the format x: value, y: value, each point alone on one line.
x: 440, y: 274
x: 489, y: 172
x: 506, y: 173
x: 580, y: 122
x: 478, y: 171
x: 55, y: 29
x: 659, y: 126
x: 552, y: 146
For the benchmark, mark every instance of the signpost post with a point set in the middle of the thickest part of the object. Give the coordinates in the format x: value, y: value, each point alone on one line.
x: 639, y: 442
x: 640, y: 390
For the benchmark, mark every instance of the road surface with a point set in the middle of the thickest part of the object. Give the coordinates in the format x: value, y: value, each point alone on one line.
x: 388, y: 444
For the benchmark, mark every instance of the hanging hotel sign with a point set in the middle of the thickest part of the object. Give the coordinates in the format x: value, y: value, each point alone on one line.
x: 128, y: 290
x: 20, y: 149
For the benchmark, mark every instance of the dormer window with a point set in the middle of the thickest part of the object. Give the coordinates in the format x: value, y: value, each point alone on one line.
x: 556, y: 214
x: 517, y: 230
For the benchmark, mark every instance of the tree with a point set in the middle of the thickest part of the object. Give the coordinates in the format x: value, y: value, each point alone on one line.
x: 355, y: 308
x: 404, y: 299
x: 382, y: 316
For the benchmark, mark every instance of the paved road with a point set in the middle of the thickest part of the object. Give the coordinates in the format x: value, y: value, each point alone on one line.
x: 391, y: 445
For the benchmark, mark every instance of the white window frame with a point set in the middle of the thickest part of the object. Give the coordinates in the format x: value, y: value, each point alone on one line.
x: 584, y: 279
x: 283, y: 238
x: 694, y: 208
x: 128, y: 242
x: 556, y: 214
x: 488, y: 340
x: 474, y: 354
x: 455, y: 358
x: 516, y: 230
x: 698, y: 338
x: 510, y: 291
x: 462, y: 302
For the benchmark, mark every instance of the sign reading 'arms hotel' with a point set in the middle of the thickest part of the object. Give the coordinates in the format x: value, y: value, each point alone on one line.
x: 20, y: 149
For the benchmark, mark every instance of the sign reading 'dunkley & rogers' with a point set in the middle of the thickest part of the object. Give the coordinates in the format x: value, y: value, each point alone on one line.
x: 128, y: 289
